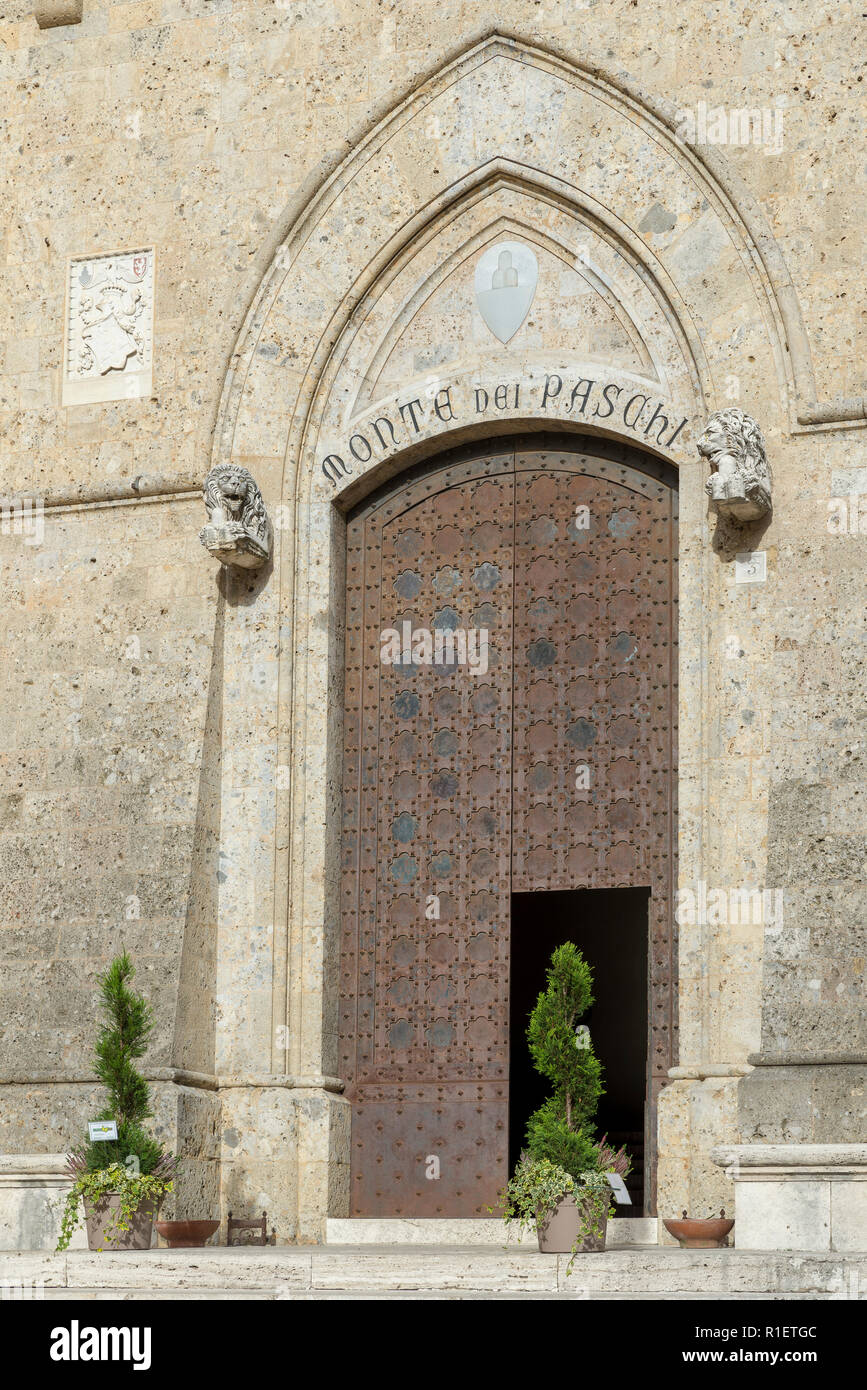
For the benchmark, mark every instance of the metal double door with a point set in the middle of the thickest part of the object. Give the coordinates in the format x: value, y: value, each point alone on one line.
x: 509, y: 726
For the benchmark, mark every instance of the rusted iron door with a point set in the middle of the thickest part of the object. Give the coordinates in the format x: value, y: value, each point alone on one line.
x: 462, y: 784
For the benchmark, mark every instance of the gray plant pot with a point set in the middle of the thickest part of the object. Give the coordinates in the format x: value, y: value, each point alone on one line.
x: 559, y: 1232
x: 100, y: 1218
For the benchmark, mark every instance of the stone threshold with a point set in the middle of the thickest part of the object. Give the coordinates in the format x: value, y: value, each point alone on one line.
x: 288, y: 1272
x: 357, y: 1230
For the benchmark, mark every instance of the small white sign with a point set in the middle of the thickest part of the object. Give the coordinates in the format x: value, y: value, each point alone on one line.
x: 619, y: 1188
x: 751, y: 567
x: 102, y: 1129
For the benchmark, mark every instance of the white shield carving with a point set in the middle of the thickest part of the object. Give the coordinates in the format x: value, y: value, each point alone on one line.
x: 506, y: 277
x: 111, y: 344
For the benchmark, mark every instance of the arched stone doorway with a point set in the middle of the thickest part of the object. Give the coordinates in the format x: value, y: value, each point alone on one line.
x: 510, y: 729
x: 347, y: 333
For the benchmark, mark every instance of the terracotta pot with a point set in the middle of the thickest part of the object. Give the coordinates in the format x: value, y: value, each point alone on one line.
x: 102, y: 1234
x: 700, y: 1233
x: 186, y: 1234
x: 559, y: 1232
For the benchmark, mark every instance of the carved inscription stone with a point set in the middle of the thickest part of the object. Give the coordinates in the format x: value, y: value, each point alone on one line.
x: 397, y: 424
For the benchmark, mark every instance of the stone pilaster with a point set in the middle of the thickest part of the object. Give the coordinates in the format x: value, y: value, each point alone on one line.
x: 698, y: 1111
x: 808, y: 1083
x: 798, y: 1196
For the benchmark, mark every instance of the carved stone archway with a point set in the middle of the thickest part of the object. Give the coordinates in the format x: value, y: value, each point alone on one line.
x: 340, y: 335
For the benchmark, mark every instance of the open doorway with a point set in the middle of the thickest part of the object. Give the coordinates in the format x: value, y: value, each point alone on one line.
x: 610, y: 928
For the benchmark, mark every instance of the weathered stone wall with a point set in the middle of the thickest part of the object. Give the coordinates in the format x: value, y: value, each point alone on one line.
x: 203, y: 128
x: 196, y: 125
x: 789, y: 812
x: 108, y: 633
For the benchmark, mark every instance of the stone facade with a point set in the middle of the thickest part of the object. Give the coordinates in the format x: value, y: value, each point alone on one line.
x: 317, y: 183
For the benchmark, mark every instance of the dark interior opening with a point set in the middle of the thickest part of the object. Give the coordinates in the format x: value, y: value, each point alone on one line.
x: 610, y: 928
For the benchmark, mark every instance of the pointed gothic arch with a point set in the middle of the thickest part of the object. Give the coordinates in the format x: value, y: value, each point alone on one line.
x: 709, y: 296
x: 760, y: 271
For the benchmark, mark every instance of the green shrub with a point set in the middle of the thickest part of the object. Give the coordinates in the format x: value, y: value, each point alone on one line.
x: 123, y: 1038
x: 562, y: 1157
x: 134, y: 1167
x: 561, y: 1130
x: 550, y: 1136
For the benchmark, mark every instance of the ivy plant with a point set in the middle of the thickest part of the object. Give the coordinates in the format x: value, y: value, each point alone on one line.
x: 539, y: 1186
x: 90, y: 1186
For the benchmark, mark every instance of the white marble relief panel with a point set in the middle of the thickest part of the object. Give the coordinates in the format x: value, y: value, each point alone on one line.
x: 108, y: 353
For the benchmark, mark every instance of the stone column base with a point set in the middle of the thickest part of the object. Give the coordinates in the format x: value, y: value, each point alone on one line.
x: 798, y: 1196
x: 33, y: 1189
x: 698, y: 1109
x: 285, y: 1151
x: 194, y: 1125
x: 819, y: 1098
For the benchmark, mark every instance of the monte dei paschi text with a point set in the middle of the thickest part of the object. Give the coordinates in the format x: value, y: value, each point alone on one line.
x: 398, y: 427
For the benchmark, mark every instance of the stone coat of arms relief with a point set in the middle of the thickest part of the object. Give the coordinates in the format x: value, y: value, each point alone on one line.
x: 505, y: 283
x: 109, y: 327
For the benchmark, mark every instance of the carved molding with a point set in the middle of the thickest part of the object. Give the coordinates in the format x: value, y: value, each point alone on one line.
x: 52, y: 13
x: 238, y: 531
x: 740, y: 482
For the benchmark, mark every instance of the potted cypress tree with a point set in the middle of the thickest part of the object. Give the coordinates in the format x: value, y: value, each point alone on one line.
x: 560, y: 1185
x: 119, y: 1182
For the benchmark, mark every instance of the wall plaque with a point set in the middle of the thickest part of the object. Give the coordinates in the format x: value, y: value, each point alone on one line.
x: 751, y: 567
x: 109, y: 327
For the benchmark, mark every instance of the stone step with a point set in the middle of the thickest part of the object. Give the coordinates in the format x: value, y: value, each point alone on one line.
x: 357, y: 1230
x: 364, y: 1271
x: 411, y: 1296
